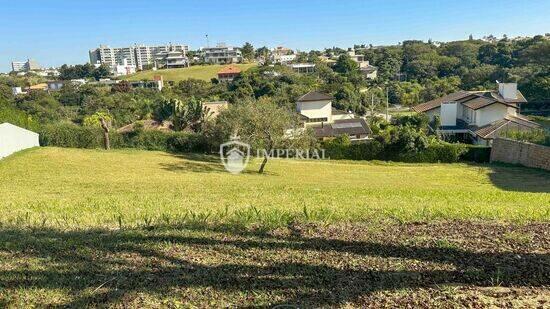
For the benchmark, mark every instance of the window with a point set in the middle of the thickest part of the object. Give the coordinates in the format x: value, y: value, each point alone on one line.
x: 324, y: 119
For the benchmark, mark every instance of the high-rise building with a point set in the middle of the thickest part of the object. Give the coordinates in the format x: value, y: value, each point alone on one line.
x: 25, y: 66
x: 137, y: 55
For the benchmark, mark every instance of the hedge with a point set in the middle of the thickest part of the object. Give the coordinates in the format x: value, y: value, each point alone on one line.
x: 375, y: 150
x: 74, y: 136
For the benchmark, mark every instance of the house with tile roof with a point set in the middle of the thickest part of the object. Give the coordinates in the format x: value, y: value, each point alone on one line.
x: 478, y: 116
x: 316, y: 112
x: 228, y: 73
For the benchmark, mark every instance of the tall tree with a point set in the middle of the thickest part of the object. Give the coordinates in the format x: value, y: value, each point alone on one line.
x: 248, y: 51
x: 261, y: 124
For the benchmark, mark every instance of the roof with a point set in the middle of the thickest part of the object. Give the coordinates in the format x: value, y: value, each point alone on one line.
x: 435, y: 103
x: 9, y: 125
x: 314, y: 96
x: 39, y: 86
x: 230, y: 69
x: 357, y: 126
x: 471, y: 99
x: 478, y: 102
x: 509, y: 122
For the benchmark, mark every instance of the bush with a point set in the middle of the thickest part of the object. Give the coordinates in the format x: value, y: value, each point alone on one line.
x: 474, y: 153
x: 438, y: 152
x: 18, y: 118
x: 74, y: 136
x: 187, y: 142
x: 147, y: 140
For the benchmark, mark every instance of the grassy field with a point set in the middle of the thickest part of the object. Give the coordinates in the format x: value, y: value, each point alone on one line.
x: 204, y: 72
x: 130, y: 228
x: 94, y: 188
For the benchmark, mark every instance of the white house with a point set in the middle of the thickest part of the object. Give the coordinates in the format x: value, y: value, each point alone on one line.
x: 14, y: 139
x: 316, y: 112
x: 479, y: 116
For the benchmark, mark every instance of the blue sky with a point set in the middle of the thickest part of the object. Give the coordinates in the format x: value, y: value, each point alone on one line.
x: 56, y: 32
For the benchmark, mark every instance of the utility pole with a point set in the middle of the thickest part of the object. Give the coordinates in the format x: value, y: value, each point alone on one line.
x: 207, y: 41
x: 387, y: 102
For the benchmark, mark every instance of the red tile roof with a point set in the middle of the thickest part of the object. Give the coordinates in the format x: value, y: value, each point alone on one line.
x: 230, y: 69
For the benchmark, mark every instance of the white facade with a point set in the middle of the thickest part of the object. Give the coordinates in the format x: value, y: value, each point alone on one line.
x: 14, y: 139
x: 490, y: 113
x: 137, y: 55
x: 221, y: 54
x: 449, y: 113
x: 316, y: 110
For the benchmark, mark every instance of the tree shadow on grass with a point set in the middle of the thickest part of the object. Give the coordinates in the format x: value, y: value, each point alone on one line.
x: 100, y: 267
x: 199, y: 163
x: 519, y: 178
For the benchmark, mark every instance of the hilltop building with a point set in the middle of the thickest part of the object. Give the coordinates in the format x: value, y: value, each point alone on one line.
x: 221, y: 54
x: 137, y: 55
x: 25, y: 66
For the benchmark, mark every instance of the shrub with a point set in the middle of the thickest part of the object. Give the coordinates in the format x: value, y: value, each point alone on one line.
x: 74, y: 136
x: 18, y: 118
x: 539, y: 136
x: 187, y: 142
x: 147, y: 140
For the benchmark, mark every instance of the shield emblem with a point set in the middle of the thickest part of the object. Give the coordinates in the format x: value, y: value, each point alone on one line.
x: 235, y: 155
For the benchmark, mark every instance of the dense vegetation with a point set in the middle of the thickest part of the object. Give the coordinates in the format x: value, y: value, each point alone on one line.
x: 411, y: 72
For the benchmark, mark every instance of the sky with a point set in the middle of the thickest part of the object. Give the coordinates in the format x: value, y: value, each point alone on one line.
x: 57, y: 32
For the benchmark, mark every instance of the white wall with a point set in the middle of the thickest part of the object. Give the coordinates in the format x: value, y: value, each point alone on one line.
x: 448, y: 114
x: 490, y: 113
x: 433, y: 112
x: 14, y: 138
x: 316, y: 109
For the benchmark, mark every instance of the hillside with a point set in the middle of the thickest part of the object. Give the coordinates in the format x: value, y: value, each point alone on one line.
x: 204, y: 72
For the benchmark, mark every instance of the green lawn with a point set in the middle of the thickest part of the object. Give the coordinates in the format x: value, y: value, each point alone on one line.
x: 95, y: 188
x: 137, y: 229
x: 204, y: 72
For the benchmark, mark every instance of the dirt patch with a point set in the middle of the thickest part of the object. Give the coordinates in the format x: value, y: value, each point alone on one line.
x: 443, y: 264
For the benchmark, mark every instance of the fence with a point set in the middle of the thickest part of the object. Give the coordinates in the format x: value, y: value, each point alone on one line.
x: 516, y: 152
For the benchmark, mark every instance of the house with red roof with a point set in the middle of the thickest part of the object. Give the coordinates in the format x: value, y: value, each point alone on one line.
x: 228, y: 73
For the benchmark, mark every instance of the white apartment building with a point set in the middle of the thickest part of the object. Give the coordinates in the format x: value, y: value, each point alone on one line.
x: 221, y: 54
x: 25, y: 66
x: 137, y: 55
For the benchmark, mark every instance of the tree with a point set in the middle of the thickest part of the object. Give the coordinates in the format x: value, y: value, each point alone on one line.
x: 101, y: 72
x: 104, y: 121
x: 123, y: 86
x: 248, y: 51
x: 262, y: 52
x: 345, y: 65
x: 183, y: 114
x: 261, y: 124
